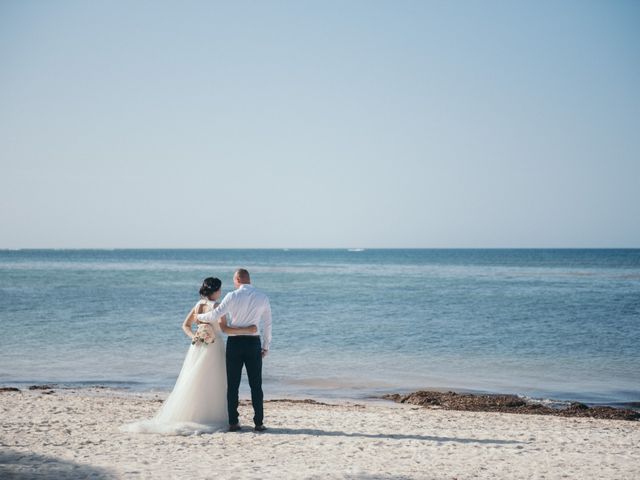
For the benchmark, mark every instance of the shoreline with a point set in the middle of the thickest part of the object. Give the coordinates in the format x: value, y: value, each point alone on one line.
x: 449, y: 399
x: 345, y: 391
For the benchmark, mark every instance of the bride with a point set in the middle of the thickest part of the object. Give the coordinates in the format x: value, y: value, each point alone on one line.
x: 198, y: 402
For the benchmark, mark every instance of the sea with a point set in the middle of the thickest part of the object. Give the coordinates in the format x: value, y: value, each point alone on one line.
x: 347, y: 323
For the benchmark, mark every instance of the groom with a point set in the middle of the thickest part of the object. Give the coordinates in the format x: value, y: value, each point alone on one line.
x: 247, y: 307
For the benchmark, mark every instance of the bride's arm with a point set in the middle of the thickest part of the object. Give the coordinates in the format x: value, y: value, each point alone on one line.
x: 236, y: 330
x: 188, y: 321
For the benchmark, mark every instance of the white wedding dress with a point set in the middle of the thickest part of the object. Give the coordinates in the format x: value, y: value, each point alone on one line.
x: 198, y: 402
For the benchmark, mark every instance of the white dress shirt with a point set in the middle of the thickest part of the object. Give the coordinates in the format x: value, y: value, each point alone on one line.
x: 247, y: 306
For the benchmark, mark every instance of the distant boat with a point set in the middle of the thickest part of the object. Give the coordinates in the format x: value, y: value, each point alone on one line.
x: 356, y: 249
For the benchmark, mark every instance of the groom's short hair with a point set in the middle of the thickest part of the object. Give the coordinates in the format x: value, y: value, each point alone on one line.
x: 243, y: 275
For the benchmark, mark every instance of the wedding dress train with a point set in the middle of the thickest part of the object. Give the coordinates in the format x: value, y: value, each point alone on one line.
x: 198, y: 402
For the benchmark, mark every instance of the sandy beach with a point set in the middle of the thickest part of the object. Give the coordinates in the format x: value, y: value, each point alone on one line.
x: 74, y: 434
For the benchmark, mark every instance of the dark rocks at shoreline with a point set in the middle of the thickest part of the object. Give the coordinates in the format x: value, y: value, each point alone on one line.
x: 507, y: 404
x: 9, y: 389
x: 42, y: 387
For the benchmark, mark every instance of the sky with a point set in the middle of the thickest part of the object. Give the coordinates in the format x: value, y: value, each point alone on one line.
x: 319, y: 124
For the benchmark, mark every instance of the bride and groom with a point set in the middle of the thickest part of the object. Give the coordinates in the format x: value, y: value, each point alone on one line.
x: 205, y: 395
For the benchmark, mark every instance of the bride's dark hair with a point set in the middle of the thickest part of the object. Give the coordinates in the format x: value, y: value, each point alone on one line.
x: 210, y: 285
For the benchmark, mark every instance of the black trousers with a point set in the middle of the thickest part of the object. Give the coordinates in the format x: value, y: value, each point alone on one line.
x: 244, y: 350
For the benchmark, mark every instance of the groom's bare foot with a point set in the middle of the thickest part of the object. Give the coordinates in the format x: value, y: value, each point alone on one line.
x: 259, y: 428
x: 235, y: 428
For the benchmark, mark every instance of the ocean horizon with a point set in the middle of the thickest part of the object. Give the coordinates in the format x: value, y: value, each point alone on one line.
x: 349, y: 323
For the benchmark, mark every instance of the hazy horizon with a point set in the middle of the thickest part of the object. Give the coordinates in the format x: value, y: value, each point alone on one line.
x: 314, y: 248
x: 319, y: 125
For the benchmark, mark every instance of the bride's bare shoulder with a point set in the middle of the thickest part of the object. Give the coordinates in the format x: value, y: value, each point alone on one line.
x: 202, y: 307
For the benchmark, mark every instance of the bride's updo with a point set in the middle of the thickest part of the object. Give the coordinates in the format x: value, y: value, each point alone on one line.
x: 210, y: 285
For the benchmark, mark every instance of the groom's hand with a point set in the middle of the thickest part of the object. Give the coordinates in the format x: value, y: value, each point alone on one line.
x: 264, y: 352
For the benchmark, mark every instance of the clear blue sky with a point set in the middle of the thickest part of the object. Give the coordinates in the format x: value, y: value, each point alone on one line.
x: 320, y: 124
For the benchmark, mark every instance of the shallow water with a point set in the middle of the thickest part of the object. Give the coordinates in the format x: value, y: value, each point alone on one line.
x: 558, y: 324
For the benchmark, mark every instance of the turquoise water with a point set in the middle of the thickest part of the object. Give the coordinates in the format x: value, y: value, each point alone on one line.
x: 561, y: 324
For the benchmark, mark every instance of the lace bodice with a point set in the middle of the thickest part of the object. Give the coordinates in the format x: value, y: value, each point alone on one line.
x: 211, y: 305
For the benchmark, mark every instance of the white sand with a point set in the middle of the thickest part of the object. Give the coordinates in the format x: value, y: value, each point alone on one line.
x: 75, y: 435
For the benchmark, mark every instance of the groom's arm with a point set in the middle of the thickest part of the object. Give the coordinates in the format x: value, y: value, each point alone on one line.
x: 216, y: 313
